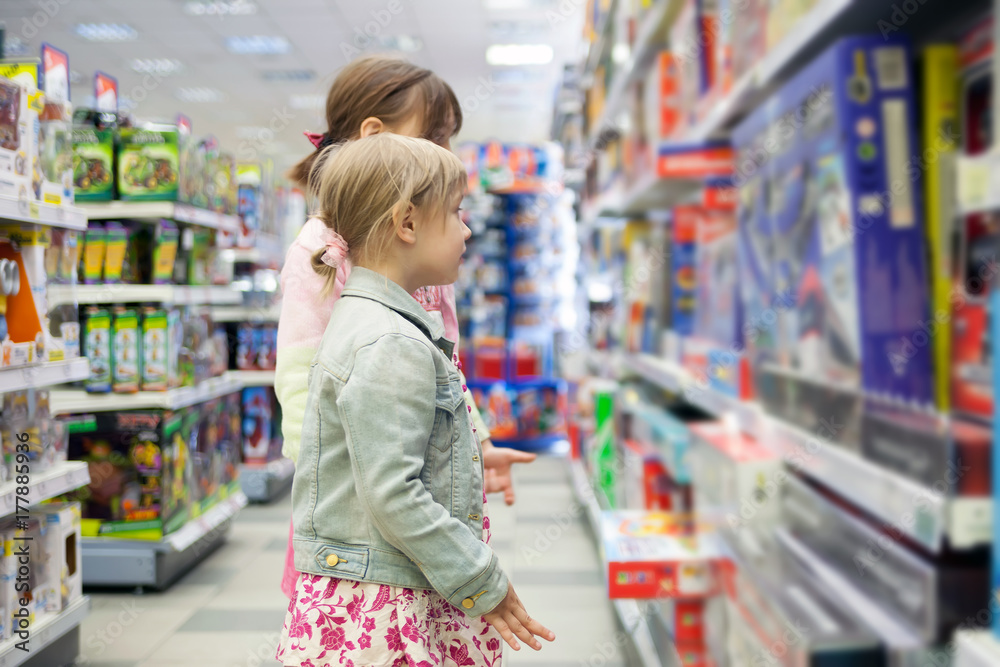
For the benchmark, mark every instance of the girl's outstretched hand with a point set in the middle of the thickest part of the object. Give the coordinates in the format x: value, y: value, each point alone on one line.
x: 510, y: 619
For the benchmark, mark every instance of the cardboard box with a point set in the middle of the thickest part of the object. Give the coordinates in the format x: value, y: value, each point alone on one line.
x: 842, y: 165
x: 655, y: 555
x: 683, y: 270
x: 140, y: 464
x: 93, y: 164
x: 97, y: 342
x: 19, y: 110
x: 126, y: 369
x: 147, y: 164
x: 65, y: 553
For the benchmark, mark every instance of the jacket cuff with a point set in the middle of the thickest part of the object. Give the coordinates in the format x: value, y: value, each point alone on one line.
x: 482, y: 595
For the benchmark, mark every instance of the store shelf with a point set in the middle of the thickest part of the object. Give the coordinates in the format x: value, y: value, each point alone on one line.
x: 268, y: 250
x: 45, y: 631
x: 39, y: 213
x: 43, y: 375
x: 57, y: 480
x: 976, y: 648
x: 72, y: 401
x: 650, y: 38
x: 254, y: 378
x: 156, y: 210
x: 109, y: 561
x: 181, y: 295
x: 246, y: 313
x: 599, y: 47
x: 263, y: 483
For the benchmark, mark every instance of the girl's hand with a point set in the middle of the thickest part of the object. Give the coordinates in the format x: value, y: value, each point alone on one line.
x: 497, y: 462
x: 510, y: 618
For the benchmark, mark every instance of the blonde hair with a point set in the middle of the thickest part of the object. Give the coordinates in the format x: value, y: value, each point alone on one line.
x: 365, y: 187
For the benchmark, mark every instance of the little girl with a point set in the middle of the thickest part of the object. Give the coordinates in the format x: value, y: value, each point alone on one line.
x: 370, y: 95
x: 389, y: 499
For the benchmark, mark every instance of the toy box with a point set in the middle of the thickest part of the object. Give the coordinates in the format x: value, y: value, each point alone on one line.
x: 93, y: 164
x: 931, y: 597
x: 655, y: 555
x: 139, y: 464
x: 156, y: 349
x: 92, y: 257
x: 116, y: 245
x: 62, y: 520
x: 248, y: 179
x: 717, y: 292
x: 126, y: 351
x: 841, y: 170
x: 671, y: 437
x: 146, y: 164
x: 259, y: 421
x: 683, y: 270
x: 97, y: 335
x: 54, y: 175
x: 646, y: 485
x: 22, y: 302
x: 974, y: 272
x: 693, y: 38
x: 19, y: 109
x: 737, y: 481
x: 28, y: 412
x: 685, y: 620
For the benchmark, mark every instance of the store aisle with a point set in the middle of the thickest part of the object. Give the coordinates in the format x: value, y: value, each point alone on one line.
x: 228, y: 611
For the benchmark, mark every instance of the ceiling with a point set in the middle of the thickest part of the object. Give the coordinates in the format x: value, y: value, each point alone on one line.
x: 255, y: 114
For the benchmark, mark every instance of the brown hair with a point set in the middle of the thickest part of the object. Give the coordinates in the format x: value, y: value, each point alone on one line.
x: 365, y: 186
x: 391, y: 90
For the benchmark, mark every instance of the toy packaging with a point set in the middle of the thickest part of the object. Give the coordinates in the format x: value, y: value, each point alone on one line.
x: 259, y: 425
x: 139, y: 472
x: 28, y: 411
x: 846, y: 307
x: 931, y: 597
x: 116, y: 242
x: 63, y: 553
x: 22, y: 295
x: 97, y: 335
x: 655, y: 555
x: 126, y: 347
x: 54, y: 177
x: 146, y: 164
x: 683, y: 270
x: 156, y: 350
x: 94, y: 249
x: 669, y: 434
x: 93, y: 164
x: 248, y: 178
x: 971, y: 387
x: 20, y: 106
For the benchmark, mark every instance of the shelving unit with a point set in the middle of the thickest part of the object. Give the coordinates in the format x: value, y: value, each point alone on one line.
x: 61, y: 478
x: 268, y: 251
x: 40, y: 213
x: 246, y: 313
x: 51, y: 635
x: 263, y: 483
x: 43, y: 375
x: 253, y: 378
x: 109, y: 561
x: 70, y: 401
x: 156, y: 210
x: 181, y: 295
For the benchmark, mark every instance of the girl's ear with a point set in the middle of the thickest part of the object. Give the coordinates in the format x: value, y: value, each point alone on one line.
x: 370, y: 126
x: 406, y: 230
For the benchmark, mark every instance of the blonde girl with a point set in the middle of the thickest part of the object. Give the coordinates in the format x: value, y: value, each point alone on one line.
x: 389, y: 500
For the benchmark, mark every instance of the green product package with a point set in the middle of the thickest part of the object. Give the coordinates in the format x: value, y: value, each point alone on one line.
x: 147, y: 164
x: 125, y: 370
x: 155, y: 350
x: 97, y: 349
x: 93, y: 164
x: 116, y: 246
x: 605, y: 452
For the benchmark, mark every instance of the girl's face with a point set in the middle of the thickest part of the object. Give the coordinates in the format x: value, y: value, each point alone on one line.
x: 440, y: 242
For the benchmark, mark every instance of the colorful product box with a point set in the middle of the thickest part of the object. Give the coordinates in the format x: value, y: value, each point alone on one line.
x: 64, y: 552
x: 655, y: 555
x: 126, y: 351
x: 95, y: 242
x: 670, y: 435
x: 258, y: 425
x: 19, y: 135
x: 156, y: 350
x: 685, y: 620
x: 683, y: 299
x: 116, y: 242
x: 841, y: 167
x: 54, y: 175
x: 97, y: 343
x: 931, y: 597
x: 139, y: 472
x: 693, y: 43
x: 147, y: 164
x: 646, y: 485
x: 93, y: 164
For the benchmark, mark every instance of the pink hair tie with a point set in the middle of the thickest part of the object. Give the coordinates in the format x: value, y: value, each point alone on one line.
x: 316, y: 139
x: 336, y: 248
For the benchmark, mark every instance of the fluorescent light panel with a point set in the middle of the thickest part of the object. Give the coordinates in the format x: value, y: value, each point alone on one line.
x: 519, y: 54
x: 162, y: 66
x: 198, y: 94
x: 282, y: 75
x: 220, y: 8
x: 258, y: 45
x: 106, y: 32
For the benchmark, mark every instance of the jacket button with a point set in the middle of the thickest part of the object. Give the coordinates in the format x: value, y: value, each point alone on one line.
x: 475, y: 458
x: 468, y: 603
x: 332, y: 560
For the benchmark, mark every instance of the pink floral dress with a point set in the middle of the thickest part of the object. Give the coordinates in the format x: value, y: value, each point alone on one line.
x: 358, y: 624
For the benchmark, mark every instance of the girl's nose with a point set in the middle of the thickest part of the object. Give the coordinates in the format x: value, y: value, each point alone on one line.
x: 468, y: 232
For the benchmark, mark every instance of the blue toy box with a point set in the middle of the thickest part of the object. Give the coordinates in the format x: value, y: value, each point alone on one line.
x: 831, y: 235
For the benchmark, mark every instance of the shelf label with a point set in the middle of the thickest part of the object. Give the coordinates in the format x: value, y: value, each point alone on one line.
x: 33, y: 210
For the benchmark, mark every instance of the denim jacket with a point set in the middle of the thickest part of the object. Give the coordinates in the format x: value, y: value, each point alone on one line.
x: 389, y: 484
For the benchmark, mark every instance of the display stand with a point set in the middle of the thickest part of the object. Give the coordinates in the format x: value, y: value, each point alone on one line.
x: 156, y: 210
x: 118, y: 562
x: 265, y: 483
x: 39, y: 213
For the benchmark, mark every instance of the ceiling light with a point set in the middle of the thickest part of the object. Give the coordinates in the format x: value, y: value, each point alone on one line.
x: 162, y: 66
x: 106, y: 32
x: 220, y: 8
x: 258, y: 45
x: 403, y: 43
x: 504, y: 5
x: 288, y: 75
x: 519, y: 54
x: 307, y: 101
x: 204, y: 95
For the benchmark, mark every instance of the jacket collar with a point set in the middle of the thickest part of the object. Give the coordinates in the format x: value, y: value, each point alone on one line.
x: 367, y: 284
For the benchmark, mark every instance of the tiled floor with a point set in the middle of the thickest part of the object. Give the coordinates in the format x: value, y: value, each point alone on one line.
x: 229, y: 610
